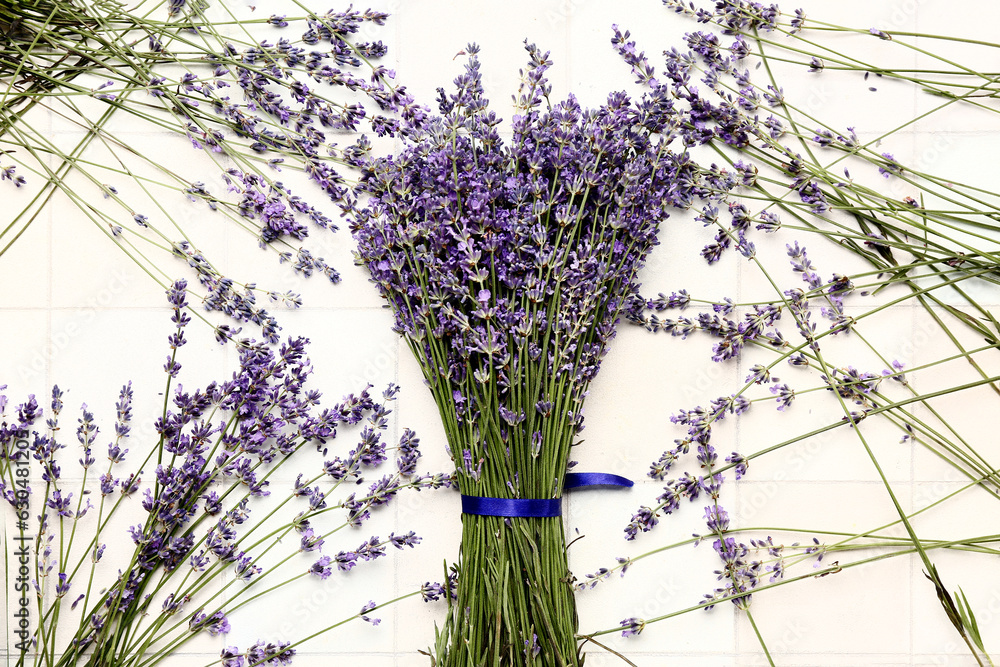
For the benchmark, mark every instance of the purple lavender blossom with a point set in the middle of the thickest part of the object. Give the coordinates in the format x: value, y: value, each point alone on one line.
x: 717, y: 519
x: 784, y: 395
x: 632, y: 627
x: 216, y: 624
x: 267, y: 654
x: 321, y: 567
x: 231, y: 657
x: 798, y: 21
x: 8, y: 174
x: 364, y: 613
x: 739, y: 463
x: 432, y: 591
x: 890, y: 166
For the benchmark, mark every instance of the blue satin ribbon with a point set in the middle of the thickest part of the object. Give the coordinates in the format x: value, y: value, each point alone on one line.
x: 511, y: 506
x: 537, y: 507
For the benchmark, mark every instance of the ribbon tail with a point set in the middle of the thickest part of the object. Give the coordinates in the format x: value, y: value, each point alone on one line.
x: 575, y: 480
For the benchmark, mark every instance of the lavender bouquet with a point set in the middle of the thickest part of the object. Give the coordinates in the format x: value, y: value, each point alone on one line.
x: 507, y: 266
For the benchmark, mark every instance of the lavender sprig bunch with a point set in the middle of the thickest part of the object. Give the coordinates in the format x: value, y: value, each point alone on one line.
x: 507, y: 266
x: 264, y: 114
x: 784, y: 165
x: 863, y: 392
x: 918, y: 246
x: 215, y: 456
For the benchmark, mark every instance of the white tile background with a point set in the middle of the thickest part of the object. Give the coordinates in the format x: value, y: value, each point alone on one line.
x: 78, y: 313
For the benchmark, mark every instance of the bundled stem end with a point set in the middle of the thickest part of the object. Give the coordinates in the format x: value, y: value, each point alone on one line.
x: 515, y: 605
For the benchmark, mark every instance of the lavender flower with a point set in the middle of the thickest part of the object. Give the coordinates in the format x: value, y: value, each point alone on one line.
x: 216, y: 624
x: 784, y: 395
x: 740, y: 464
x: 8, y: 174
x: 890, y: 167
x: 364, y: 614
x: 231, y: 657
x: 798, y: 21
x: 717, y: 519
x: 632, y: 627
x: 268, y: 654
x: 321, y: 567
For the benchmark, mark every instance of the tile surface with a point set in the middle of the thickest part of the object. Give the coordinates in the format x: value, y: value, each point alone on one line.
x: 79, y: 313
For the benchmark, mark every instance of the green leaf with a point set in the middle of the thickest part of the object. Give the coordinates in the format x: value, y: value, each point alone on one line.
x: 969, y: 619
